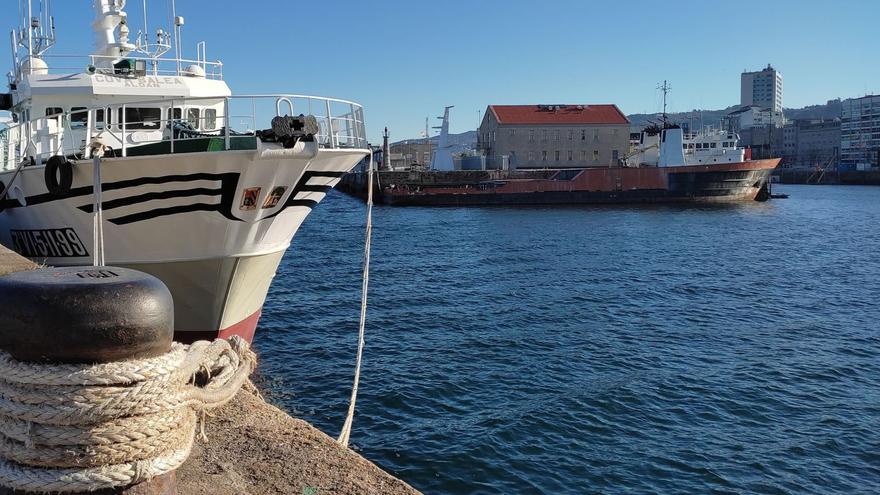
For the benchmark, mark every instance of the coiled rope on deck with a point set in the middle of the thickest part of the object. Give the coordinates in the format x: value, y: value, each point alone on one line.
x: 84, y: 427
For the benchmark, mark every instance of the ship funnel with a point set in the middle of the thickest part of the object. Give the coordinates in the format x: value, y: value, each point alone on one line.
x: 671, y: 151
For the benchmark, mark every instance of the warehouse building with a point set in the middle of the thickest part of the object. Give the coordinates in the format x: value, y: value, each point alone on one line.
x: 553, y: 136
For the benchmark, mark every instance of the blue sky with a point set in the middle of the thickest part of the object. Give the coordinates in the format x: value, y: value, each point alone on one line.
x: 406, y: 60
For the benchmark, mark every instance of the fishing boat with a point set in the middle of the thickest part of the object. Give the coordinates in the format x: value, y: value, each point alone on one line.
x: 134, y: 156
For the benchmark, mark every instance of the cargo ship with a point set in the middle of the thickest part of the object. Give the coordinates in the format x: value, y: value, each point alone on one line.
x: 668, y: 165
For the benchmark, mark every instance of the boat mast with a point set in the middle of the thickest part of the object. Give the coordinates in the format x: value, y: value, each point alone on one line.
x: 30, y: 18
x: 178, y: 21
x: 665, y: 88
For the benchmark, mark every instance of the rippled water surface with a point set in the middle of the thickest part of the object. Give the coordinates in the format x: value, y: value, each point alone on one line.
x: 594, y: 350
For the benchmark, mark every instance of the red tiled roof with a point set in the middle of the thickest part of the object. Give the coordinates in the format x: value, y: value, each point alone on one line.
x: 558, y: 114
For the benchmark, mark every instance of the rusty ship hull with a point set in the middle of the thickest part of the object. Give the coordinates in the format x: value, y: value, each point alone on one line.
x: 711, y: 183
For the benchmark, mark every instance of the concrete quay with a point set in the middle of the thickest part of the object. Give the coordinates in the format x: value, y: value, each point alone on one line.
x: 255, y: 448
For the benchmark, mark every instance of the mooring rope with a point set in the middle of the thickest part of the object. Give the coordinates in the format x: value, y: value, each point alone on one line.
x: 97, y: 149
x: 84, y: 427
x: 346, y: 427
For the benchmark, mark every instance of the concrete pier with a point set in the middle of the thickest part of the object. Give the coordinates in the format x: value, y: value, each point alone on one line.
x: 256, y: 448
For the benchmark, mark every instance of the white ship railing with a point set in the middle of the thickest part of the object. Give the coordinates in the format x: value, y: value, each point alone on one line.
x: 159, y: 66
x: 341, y: 125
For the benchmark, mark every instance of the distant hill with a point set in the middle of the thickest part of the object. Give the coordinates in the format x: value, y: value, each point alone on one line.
x: 460, y: 142
x: 829, y: 110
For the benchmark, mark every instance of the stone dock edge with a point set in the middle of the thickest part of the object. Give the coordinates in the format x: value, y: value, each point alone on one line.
x: 255, y: 448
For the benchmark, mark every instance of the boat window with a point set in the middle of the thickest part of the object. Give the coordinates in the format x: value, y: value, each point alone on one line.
x: 211, y: 119
x: 99, y: 118
x: 79, y: 117
x: 684, y: 146
x: 54, y: 111
x: 175, y: 114
x: 141, y: 118
x: 711, y: 145
x: 192, y: 117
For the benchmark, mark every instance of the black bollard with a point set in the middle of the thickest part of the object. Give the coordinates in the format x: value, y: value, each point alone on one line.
x: 87, y: 315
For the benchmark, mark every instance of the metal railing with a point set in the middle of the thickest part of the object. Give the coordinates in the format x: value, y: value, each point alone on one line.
x: 341, y: 125
x: 168, y: 67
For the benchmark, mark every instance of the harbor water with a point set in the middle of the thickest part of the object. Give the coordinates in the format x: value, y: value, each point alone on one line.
x: 701, y: 349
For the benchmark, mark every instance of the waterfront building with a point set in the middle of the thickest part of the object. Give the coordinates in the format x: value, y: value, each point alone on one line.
x: 553, y: 136
x: 411, y: 153
x: 762, y: 88
x: 753, y: 116
x: 860, y: 132
x: 808, y: 143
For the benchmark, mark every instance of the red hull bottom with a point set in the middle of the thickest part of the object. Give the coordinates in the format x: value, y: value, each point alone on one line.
x: 244, y: 329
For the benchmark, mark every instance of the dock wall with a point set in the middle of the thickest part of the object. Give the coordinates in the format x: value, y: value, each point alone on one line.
x: 255, y: 448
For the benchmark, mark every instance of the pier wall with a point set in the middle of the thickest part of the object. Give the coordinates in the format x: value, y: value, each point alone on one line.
x: 847, y: 177
x: 255, y: 448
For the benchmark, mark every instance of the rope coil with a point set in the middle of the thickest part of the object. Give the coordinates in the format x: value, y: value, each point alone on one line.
x: 84, y: 427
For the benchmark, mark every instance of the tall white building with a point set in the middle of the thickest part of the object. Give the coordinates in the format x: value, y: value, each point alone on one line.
x: 860, y: 132
x: 762, y: 89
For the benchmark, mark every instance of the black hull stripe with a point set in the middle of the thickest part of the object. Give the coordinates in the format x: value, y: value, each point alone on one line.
x: 141, y: 181
x: 113, y: 186
x: 161, y: 212
x: 141, y: 198
x: 311, y: 203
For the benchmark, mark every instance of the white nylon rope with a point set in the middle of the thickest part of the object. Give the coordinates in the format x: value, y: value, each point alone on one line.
x: 84, y: 427
x: 346, y: 428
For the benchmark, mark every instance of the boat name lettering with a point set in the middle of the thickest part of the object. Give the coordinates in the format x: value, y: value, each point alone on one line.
x: 52, y: 243
x: 141, y: 82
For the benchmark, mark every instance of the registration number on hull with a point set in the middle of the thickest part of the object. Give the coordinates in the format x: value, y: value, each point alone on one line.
x: 48, y: 243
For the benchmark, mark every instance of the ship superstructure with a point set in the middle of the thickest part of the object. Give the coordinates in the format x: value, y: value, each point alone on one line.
x: 200, y: 187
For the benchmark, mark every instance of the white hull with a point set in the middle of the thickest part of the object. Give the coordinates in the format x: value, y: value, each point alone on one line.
x: 185, y: 218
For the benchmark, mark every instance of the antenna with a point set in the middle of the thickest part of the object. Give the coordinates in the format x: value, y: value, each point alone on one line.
x: 665, y: 88
x: 35, y: 34
x: 153, y: 50
x: 178, y: 22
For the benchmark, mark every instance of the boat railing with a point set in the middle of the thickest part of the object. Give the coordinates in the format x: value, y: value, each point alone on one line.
x: 103, y: 64
x: 173, y: 123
